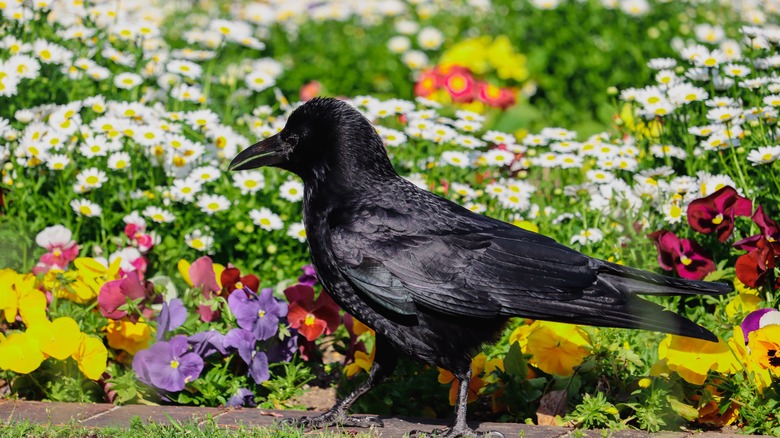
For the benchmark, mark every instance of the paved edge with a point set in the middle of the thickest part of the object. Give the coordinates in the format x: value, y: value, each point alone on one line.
x: 108, y: 415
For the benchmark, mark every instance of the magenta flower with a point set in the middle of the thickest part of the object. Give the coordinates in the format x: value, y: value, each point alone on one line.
x: 61, y: 248
x: 715, y: 213
x: 125, y: 297
x: 684, y: 256
x: 135, y: 232
x: 168, y: 365
x: 769, y: 230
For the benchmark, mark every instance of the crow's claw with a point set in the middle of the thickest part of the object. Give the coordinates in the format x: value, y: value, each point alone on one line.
x: 449, y: 432
x: 331, y: 418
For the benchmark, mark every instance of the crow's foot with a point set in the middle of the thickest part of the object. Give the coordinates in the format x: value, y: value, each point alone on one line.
x: 455, y: 432
x: 334, y: 418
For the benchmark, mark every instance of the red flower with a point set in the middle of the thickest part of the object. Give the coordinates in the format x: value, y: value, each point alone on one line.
x: 716, y: 212
x: 496, y: 96
x: 231, y: 280
x: 755, y: 267
x: 769, y: 230
x: 460, y: 83
x: 682, y: 255
x: 429, y: 81
x: 311, y: 318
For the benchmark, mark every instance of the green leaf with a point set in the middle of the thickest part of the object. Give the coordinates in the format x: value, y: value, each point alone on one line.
x: 686, y: 411
x: 514, y: 362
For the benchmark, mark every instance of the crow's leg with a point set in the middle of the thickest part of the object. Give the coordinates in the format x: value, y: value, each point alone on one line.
x: 384, y: 364
x: 460, y: 428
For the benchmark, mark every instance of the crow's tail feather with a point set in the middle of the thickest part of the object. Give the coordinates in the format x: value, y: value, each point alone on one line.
x: 641, y: 282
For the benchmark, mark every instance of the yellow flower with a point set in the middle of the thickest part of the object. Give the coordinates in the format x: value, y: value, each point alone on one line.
x: 764, y: 345
x: 475, y: 384
x: 20, y: 353
x: 32, y: 307
x: 59, y: 338
x: 693, y: 358
x: 125, y: 335
x: 743, y: 288
x: 759, y: 375
x: 91, y: 356
x: 710, y: 412
x: 362, y: 361
x: 645, y: 382
x: 14, y: 288
x: 741, y: 305
x: 520, y: 334
x: 558, y: 348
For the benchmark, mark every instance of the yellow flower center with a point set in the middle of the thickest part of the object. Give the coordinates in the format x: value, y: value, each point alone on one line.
x: 309, y: 321
x: 265, y: 221
x: 57, y: 252
x: 174, y: 364
x: 213, y: 206
x: 197, y: 243
x: 717, y: 220
x: 685, y: 260
x: 158, y: 217
x: 121, y: 164
x: 250, y: 183
x: 261, y: 313
x: 85, y: 210
x: 92, y: 179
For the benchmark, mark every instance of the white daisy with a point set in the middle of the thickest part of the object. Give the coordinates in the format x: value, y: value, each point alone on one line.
x: 86, y: 208
x: 119, y: 161
x: 266, y: 219
x: 259, y: 80
x: 211, y: 204
x: 199, y: 241
x: 249, y: 182
x: 764, y: 155
x: 127, y: 80
x: 205, y: 174
x: 291, y: 191
x: 91, y: 178
x: 159, y: 215
x: 297, y: 231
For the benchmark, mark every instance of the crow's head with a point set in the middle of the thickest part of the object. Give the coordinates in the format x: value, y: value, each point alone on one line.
x: 323, y: 133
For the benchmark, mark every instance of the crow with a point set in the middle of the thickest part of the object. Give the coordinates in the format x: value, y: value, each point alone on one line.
x: 434, y: 280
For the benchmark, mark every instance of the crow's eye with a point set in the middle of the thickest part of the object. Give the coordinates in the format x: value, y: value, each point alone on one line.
x: 292, y: 140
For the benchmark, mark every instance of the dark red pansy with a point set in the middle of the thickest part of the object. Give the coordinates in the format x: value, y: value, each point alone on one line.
x: 716, y: 212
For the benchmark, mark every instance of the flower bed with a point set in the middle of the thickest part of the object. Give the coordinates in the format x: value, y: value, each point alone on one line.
x: 134, y: 269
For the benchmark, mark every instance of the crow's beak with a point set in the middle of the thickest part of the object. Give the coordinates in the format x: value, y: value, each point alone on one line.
x: 270, y: 151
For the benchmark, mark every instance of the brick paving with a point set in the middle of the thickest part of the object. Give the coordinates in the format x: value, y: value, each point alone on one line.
x: 105, y: 415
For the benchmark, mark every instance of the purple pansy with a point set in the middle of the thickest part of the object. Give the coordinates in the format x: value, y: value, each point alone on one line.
x: 242, y: 397
x: 758, y: 319
x: 204, y: 344
x: 309, y: 276
x: 283, y: 350
x: 258, y: 314
x: 168, y: 365
x: 172, y: 316
x: 244, y: 341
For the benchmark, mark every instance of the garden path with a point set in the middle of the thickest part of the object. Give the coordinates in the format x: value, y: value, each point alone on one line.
x: 108, y: 415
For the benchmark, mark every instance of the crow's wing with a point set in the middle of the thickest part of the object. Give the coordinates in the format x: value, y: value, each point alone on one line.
x: 476, y: 272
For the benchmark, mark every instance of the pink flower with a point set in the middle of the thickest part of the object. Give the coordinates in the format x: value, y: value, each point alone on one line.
x: 62, y: 249
x: 125, y: 297
x: 202, y: 274
x: 138, y: 238
x: 132, y: 260
x: 682, y: 255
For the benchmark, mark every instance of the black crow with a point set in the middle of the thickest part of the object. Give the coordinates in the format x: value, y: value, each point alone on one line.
x: 433, y: 279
